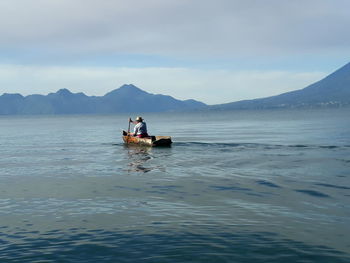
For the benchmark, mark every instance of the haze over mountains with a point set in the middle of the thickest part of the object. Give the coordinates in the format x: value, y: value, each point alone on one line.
x: 332, y: 91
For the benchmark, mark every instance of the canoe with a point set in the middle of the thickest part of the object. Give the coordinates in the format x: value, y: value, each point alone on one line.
x: 147, y: 141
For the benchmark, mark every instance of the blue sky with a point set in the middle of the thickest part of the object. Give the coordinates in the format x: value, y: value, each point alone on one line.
x: 214, y: 51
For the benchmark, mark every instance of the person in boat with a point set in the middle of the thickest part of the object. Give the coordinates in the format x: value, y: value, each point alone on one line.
x: 140, y: 129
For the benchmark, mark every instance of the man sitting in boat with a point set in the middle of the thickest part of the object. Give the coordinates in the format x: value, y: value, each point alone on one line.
x: 140, y: 129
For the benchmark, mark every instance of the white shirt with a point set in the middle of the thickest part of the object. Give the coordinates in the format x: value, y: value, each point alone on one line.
x: 140, y: 128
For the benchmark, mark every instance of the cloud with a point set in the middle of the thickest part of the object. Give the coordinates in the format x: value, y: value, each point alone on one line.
x: 210, y: 86
x: 176, y: 28
x: 214, y: 51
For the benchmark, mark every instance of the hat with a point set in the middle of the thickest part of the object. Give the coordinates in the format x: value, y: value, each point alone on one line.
x: 139, y: 119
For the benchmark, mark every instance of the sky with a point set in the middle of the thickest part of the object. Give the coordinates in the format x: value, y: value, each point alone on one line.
x: 213, y: 51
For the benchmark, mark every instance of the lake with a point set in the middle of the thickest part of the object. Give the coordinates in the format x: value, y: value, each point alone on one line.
x: 240, y: 186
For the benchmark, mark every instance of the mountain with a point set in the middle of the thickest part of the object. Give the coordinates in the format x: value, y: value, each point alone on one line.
x: 128, y: 98
x: 332, y: 91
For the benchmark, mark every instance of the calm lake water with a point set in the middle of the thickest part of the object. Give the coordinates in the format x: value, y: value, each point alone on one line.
x: 270, y: 186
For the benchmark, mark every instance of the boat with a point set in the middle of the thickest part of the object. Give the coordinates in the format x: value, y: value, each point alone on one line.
x: 147, y: 141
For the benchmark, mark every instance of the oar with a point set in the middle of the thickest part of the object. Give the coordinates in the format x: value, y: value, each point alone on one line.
x: 129, y: 127
x: 127, y: 133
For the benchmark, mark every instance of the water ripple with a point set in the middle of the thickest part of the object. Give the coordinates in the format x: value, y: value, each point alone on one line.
x: 136, y: 246
x: 313, y: 193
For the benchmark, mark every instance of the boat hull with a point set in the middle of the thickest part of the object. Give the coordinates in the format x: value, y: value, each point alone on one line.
x: 148, y: 141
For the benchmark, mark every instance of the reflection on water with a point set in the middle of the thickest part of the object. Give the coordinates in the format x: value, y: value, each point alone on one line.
x: 143, y: 159
x: 138, y: 156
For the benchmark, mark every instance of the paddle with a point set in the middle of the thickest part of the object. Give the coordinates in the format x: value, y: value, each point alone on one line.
x: 129, y: 126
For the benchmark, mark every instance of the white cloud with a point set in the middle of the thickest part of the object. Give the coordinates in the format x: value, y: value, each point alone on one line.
x: 209, y: 86
x: 172, y: 27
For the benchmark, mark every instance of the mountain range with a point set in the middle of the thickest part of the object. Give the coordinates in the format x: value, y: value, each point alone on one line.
x: 127, y: 98
x: 332, y: 91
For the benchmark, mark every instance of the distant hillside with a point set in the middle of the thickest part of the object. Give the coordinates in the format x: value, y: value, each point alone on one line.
x: 127, y: 98
x: 332, y: 91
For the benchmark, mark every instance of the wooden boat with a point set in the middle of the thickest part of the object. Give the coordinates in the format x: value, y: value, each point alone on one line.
x: 147, y: 141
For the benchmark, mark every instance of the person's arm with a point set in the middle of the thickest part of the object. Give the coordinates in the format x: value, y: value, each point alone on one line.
x: 136, y: 129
